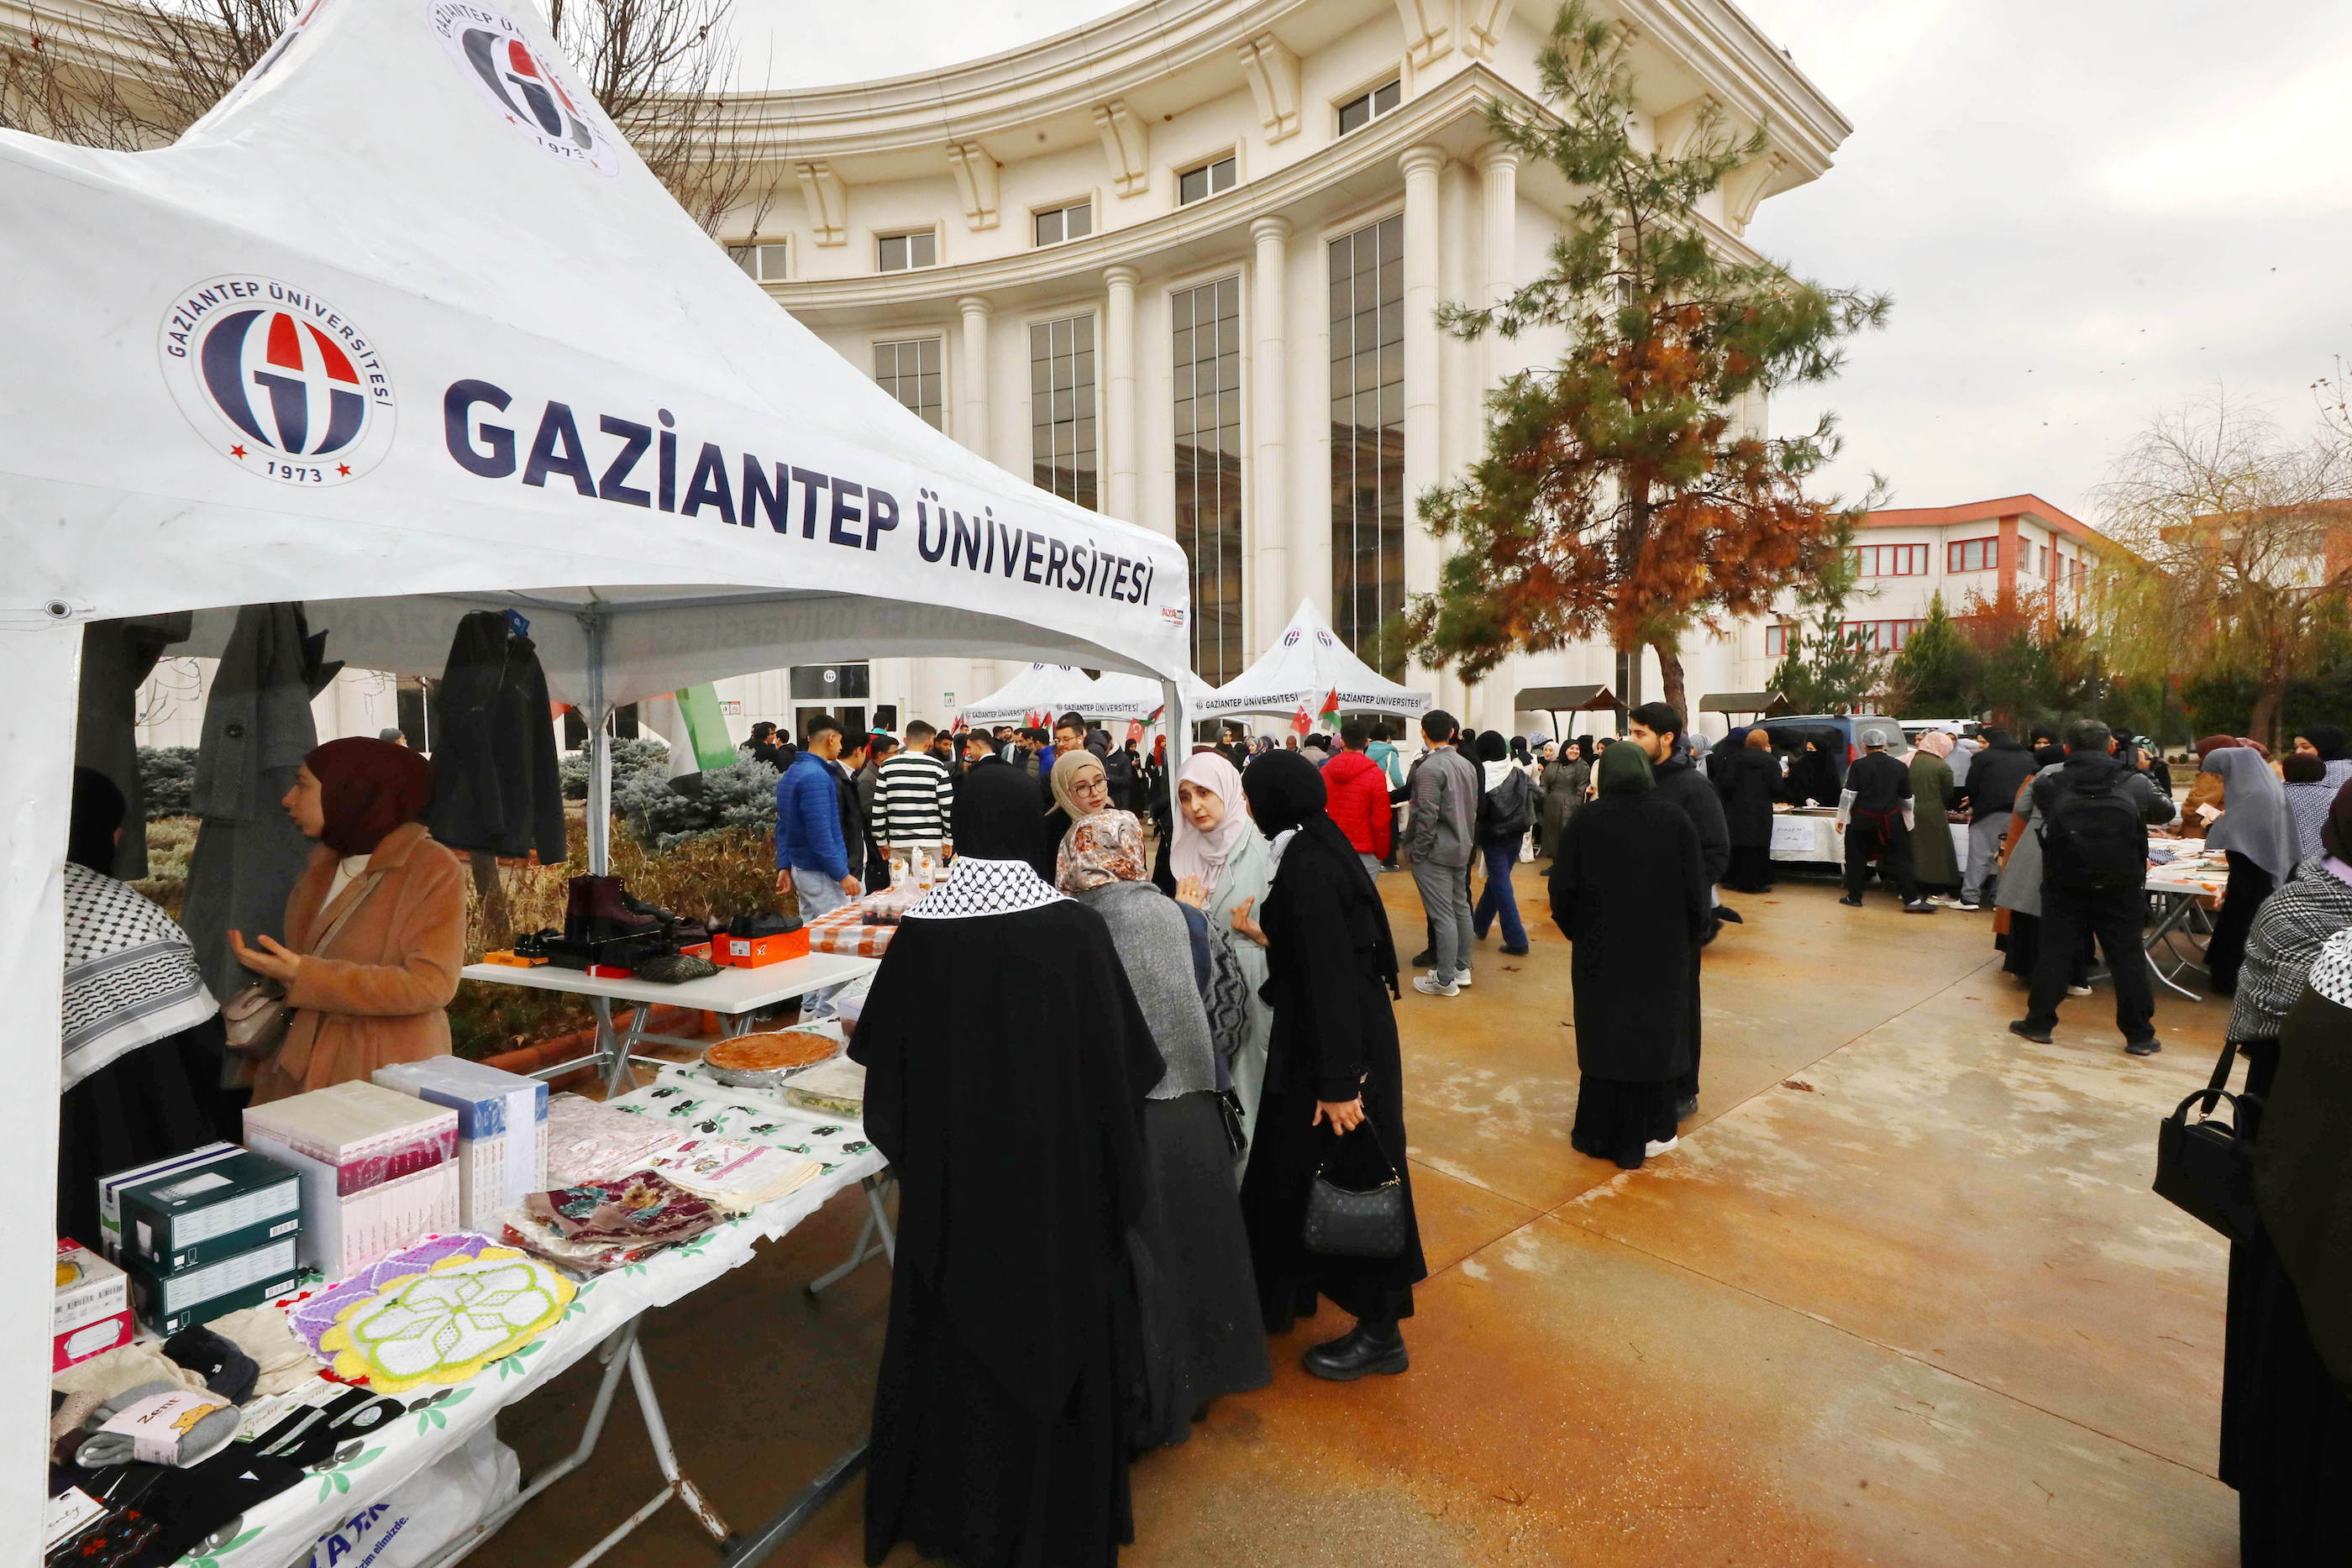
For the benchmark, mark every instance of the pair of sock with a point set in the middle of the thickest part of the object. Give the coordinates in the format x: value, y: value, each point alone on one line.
x: 198, y: 1442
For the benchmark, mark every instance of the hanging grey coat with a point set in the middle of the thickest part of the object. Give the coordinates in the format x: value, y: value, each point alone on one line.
x: 495, y: 787
x: 257, y: 729
x: 117, y: 657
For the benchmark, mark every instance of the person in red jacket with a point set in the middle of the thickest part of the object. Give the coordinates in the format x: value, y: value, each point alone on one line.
x: 1358, y: 795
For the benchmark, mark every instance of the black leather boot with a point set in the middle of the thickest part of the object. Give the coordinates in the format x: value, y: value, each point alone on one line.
x: 1367, y: 1348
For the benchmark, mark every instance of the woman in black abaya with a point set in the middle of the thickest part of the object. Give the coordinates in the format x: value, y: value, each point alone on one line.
x: 1627, y: 891
x: 2287, y: 1379
x: 1332, y: 1066
x: 139, y: 1033
x: 1000, y: 1415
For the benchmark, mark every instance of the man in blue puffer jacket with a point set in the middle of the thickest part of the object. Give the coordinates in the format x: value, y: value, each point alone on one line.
x: 811, y: 858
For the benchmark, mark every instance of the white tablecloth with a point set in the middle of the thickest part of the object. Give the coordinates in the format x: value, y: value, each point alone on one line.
x: 1817, y: 838
x: 283, y: 1529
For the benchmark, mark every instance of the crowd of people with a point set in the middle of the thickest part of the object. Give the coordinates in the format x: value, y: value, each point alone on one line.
x: 1110, y: 1200
x: 1107, y: 1207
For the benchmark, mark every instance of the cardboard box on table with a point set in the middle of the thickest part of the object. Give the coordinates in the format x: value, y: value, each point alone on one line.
x: 92, y: 1310
x: 379, y: 1169
x: 501, y: 1129
x: 216, y: 1210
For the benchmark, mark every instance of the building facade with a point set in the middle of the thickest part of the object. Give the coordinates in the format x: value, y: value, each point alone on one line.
x: 1183, y: 265
x: 1977, y: 556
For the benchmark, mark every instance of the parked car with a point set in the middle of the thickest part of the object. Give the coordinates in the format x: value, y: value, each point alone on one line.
x: 1791, y: 731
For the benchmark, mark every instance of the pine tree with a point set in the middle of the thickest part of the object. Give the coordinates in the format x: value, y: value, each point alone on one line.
x: 1829, y: 668
x: 1617, y: 496
x: 1934, y: 675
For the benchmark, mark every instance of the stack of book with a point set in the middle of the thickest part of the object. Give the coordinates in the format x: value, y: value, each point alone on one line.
x: 501, y: 1129
x: 379, y: 1169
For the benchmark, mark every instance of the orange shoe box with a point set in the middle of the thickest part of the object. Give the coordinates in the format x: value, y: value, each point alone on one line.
x: 757, y: 952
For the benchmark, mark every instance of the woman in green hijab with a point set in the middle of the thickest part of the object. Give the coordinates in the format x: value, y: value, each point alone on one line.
x: 1628, y: 894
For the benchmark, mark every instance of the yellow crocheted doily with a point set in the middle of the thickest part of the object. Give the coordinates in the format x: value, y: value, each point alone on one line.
x: 446, y: 1324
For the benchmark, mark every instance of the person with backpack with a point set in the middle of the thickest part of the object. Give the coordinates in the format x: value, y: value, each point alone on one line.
x: 2095, y: 814
x: 1506, y: 811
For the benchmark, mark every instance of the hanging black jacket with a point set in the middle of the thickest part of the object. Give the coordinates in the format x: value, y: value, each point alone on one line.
x: 495, y: 786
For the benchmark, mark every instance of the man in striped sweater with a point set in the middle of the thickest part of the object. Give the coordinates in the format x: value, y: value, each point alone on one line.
x: 914, y: 797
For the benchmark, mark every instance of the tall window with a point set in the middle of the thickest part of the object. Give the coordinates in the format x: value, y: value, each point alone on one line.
x: 763, y: 260
x: 909, y: 372
x: 1361, y: 112
x: 900, y: 253
x: 1207, y: 180
x: 1052, y: 226
x: 1972, y: 555
x: 1368, y: 433
x: 1062, y: 407
x: 1890, y: 561
x: 1208, y: 361
x: 1775, y: 641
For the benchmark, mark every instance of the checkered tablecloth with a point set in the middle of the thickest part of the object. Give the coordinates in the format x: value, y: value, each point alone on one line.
x: 841, y: 933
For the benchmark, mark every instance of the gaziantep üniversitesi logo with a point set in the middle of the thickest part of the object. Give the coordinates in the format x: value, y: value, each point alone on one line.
x: 277, y: 379
x: 525, y: 85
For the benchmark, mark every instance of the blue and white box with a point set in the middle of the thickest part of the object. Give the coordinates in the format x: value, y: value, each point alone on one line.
x: 501, y: 1129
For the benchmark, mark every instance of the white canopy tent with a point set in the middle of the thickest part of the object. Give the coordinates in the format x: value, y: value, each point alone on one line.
x: 401, y: 330
x: 1053, y: 689
x: 1306, y: 666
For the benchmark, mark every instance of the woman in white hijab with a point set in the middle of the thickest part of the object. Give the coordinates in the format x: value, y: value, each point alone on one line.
x: 1222, y: 866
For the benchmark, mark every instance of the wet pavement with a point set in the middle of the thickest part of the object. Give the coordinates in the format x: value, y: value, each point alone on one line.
x: 1900, y: 1296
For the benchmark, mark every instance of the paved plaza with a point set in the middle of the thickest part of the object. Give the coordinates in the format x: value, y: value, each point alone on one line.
x: 1901, y: 1296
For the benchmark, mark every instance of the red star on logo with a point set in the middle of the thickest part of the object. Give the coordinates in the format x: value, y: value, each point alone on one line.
x: 344, y: 469
x: 236, y: 452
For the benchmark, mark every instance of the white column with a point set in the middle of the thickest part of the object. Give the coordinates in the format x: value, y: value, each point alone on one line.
x: 1498, y: 174
x: 1498, y: 177
x: 972, y: 375
x: 1421, y: 348
x: 1124, y: 491
x: 1272, y: 593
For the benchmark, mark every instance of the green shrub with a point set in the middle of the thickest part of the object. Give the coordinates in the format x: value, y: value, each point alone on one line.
x: 630, y: 758
x: 167, y: 776
x: 663, y: 815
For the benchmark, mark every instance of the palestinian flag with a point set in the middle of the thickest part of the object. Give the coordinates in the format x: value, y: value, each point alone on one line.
x: 1330, y: 714
x: 693, y: 725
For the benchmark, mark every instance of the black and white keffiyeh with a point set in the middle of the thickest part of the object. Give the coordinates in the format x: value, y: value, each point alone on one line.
x: 130, y: 975
x: 2331, y: 972
x: 978, y: 887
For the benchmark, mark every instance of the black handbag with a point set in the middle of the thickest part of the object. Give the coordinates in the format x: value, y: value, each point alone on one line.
x: 2205, y: 1167
x: 1354, y: 1222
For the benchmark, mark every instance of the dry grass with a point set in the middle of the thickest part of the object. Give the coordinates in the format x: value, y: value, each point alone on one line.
x: 169, y: 841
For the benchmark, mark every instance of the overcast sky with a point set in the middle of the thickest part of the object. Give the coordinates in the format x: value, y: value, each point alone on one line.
x: 2086, y: 209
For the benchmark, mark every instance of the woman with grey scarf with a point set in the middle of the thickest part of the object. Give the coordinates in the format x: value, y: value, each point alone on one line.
x: 2257, y: 835
x: 1202, y: 1333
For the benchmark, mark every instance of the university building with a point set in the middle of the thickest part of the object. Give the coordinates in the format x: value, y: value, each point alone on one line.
x: 1978, y: 555
x: 1182, y: 264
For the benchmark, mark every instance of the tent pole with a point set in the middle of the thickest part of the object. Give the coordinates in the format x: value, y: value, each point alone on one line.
x: 40, y: 647
x: 592, y: 628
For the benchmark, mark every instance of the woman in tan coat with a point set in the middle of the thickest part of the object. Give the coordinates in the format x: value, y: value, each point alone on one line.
x: 375, y: 991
